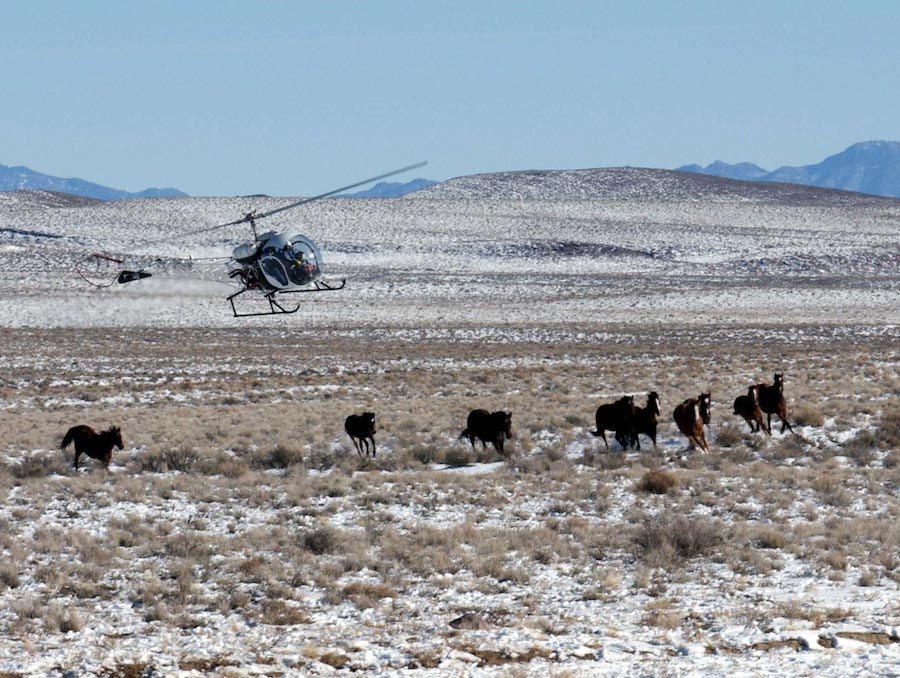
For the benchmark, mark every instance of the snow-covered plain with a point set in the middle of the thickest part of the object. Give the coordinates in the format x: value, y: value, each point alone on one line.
x: 534, y: 292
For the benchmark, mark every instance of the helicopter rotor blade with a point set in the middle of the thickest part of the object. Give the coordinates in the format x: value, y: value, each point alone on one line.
x: 251, y: 216
x: 247, y: 218
x: 338, y: 190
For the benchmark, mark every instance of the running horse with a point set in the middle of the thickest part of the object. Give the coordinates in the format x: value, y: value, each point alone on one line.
x: 691, y: 416
x: 95, y: 445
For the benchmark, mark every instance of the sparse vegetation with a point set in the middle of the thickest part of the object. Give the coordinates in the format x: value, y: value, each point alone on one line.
x: 209, y: 513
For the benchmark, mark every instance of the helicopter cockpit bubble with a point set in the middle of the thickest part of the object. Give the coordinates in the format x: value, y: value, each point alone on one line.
x: 290, y: 260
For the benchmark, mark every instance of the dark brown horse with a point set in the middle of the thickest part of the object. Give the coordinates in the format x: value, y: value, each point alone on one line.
x: 747, y: 406
x: 361, y: 429
x: 95, y: 445
x: 488, y: 427
x: 645, y: 420
x: 771, y: 401
x: 691, y: 416
x: 618, y: 417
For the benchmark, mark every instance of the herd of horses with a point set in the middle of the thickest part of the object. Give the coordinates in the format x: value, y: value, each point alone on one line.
x: 692, y: 415
x: 626, y: 420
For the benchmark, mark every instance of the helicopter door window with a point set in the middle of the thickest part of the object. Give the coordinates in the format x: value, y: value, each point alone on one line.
x: 274, y: 271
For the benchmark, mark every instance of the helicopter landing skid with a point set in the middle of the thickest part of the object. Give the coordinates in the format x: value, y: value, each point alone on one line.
x: 276, y: 308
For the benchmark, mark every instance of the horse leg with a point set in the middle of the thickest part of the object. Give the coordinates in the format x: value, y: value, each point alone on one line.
x: 373, y: 446
x: 703, y: 442
x: 784, y: 422
x: 356, y: 444
x: 107, y: 458
x: 77, y: 454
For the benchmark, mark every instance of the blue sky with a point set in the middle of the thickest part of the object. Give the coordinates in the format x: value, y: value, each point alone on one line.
x: 296, y: 98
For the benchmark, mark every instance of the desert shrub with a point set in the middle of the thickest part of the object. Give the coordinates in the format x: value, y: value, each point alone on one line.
x: 768, y: 537
x: 830, y: 486
x: 807, y: 414
x: 63, y: 621
x: 365, y: 595
x: 664, y: 541
x: 223, y: 464
x: 162, y: 461
x: 39, y: 466
x: 321, y: 540
x: 789, y: 446
x: 9, y: 576
x: 861, y: 447
x: 657, y: 481
x: 661, y: 613
x: 888, y: 432
x: 458, y: 456
x: 425, y: 454
x: 278, y: 612
x: 320, y: 458
x: 280, y: 457
x: 729, y: 435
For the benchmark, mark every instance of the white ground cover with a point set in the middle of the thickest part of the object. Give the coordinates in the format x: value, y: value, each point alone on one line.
x: 734, y: 269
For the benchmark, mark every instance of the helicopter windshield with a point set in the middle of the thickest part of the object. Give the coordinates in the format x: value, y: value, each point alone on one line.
x: 290, y: 261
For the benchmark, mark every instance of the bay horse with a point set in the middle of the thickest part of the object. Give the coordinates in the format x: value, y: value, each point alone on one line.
x: 645, y: 420
x: 361, y: 429
x: 488, y: 427
x: 618, y: 417
x: 95, y: 445
x: 771, y: 401
x: 747, y: 406
x: 691, y: 416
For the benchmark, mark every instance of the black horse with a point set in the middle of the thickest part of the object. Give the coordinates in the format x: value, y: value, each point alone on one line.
x: 95, y: 445
x: 618, y: 417
x: 488, y: 427
x: 361, y: 429
x: 645, y: 420
x: 771, y: 401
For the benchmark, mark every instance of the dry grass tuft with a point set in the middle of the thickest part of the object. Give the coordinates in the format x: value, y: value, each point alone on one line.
x: 321, y: 540
x: 658, y: 481
x: 665, y: 541
x: 888, y: 433
x: 162, y: 461
x: 769, y: 537
x: 367, y: 595
x: 807, y: 414
x: 39, y: 466
x: 729, y: 435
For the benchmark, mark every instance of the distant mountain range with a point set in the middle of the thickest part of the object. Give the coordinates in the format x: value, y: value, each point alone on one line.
x: 391, y: 189
x: 22, y: 178
x: 871, y: 167
x: 25, y: 179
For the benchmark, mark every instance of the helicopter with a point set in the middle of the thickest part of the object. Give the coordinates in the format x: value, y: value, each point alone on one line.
x: 273, y: 263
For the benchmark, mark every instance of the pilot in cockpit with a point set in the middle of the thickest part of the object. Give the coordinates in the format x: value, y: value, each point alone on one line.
x: 300, y: 268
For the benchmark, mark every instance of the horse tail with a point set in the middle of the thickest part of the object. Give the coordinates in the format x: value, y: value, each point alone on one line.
x: 464, y: 434
x: 597, y: 434
x: 68, y: 438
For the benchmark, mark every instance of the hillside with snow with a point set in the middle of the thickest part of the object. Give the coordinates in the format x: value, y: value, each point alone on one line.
x: 238, y: 532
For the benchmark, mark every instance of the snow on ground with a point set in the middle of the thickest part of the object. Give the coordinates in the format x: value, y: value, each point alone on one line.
x: 453, y: 282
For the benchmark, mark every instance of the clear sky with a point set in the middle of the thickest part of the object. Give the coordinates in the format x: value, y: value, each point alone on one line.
x: 220, y: 97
